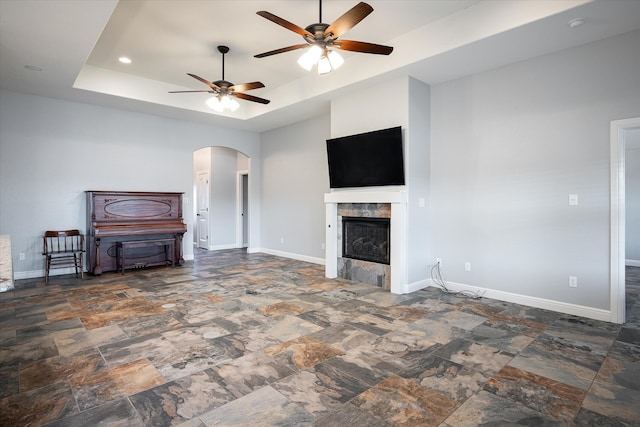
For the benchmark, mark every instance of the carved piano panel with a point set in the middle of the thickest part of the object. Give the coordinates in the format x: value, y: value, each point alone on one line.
x: 116, y: 216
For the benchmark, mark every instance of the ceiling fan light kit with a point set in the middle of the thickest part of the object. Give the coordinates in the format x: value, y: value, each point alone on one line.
x: 326, y: 59
x: 222, y: 102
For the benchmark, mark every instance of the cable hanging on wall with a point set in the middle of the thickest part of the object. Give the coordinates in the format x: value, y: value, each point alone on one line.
x: 436, y: 277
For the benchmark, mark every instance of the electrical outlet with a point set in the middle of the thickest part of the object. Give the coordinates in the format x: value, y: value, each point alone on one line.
x: 467, y: 266
x: 282, y: 240
x: 323, y: 247
x: 21, y: 256
x: 573, y: 282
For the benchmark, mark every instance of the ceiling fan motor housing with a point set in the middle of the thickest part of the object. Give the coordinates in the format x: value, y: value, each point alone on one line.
x: 223, y: 84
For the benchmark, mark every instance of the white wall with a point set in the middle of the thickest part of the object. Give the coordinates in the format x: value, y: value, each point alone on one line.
x: 294, y: 180
x: 417, y: 147
x: 52, y: 151
x: 507, y: 148
x: 368, y: 110
x: 632, y: 197
x: 223, y: 198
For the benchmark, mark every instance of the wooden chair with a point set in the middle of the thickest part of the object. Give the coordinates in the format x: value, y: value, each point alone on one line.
x: 63, y: 249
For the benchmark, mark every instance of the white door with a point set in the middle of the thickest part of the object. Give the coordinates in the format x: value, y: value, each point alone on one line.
x: 203, y: 209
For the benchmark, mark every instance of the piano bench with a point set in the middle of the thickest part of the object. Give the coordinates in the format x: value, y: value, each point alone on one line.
x: 121, y: 250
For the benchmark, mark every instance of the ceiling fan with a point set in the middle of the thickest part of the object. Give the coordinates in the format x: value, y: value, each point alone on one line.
x: 224, y: 90
x: 320, y: 37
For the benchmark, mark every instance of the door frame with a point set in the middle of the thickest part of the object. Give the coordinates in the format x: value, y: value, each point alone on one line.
x: 239, y: 208
x: 617, y: 211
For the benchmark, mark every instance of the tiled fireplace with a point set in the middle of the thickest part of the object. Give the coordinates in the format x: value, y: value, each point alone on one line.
x: 366, y: 237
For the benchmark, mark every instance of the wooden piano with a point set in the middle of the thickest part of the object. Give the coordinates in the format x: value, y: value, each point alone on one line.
x: 114, y: 217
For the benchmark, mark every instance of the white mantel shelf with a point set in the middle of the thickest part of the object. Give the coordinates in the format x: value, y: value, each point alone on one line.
x: 366, y: 197
x: 398, y: 200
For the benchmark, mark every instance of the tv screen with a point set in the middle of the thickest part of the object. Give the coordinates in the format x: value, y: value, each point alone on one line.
x: 367, y: 159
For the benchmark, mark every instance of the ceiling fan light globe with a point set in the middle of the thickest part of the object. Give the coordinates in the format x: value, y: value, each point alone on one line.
x: 316, y: 53
x: 335, y: 59
x: 215, y: 104
x: 324, y: 66
x: 233, y: 105
x: 306, y: 61
x: 310, y: 57
x: 225, y: 101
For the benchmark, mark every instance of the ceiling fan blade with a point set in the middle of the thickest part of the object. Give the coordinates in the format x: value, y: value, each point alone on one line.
x: 251, y: 98
x: 281, y: 50
x: 348, y: 20
x: 284, y: 23
x: 189, y: 91
x: 207, y: 82
x: 363, y: 47
x: 246, y: 86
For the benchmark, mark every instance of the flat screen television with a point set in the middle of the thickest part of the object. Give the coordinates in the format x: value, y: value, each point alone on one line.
x: 366, y: 159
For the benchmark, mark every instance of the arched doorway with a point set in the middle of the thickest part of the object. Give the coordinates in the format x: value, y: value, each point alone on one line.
x: 221, y: 186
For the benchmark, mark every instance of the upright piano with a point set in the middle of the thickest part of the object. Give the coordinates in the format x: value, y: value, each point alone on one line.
x: 114, y: 217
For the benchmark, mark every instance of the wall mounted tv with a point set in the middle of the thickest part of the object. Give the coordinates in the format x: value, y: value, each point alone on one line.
x: 366, y: 159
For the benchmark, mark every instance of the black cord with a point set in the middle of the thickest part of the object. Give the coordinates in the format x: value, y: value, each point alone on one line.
x: 442, y: 284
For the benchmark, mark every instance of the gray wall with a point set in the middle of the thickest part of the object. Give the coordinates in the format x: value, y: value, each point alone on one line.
x: 52, y: 151
x: 294, y: 180
x: 508, y: 147
x: 417, y: 147
x: 223, y: 199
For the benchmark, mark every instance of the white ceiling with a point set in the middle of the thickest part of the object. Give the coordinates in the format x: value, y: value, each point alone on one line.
x: 77, y: 43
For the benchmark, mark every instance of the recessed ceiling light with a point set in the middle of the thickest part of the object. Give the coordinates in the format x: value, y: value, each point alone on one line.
x: 124, y: 60
x: 575, y: 23
x: 32, y: 68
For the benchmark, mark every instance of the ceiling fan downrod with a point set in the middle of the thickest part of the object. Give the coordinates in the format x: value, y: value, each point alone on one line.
x: 223, y: 50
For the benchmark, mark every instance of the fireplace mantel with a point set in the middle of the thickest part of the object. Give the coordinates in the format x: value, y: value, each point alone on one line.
x: 380, y: 196
x: 398, y: 200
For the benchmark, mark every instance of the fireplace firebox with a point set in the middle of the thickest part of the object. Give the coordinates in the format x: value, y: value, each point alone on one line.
x: 366, y: 239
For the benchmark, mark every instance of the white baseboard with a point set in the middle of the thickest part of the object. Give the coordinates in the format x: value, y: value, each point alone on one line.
x: 221, y: 247
x: 632, y: 262
x: 298, y: 257
x: 416, y: 286
x: 546, y: 304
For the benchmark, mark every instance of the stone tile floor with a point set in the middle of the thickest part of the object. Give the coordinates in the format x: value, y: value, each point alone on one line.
x: 252, y: 339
